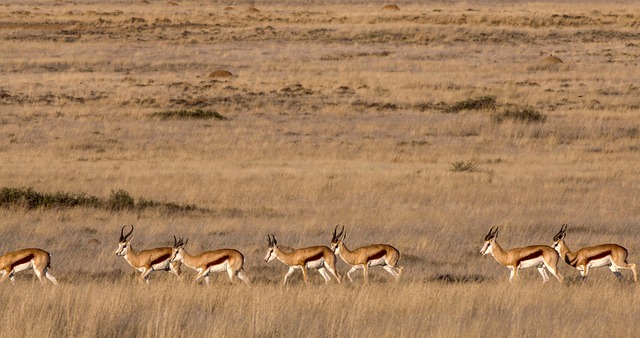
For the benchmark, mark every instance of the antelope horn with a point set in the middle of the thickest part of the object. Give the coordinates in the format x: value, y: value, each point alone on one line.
x: 122, y: 235
x: 493, y: 233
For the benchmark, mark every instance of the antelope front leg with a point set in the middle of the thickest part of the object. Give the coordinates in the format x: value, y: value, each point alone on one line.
x: 144, y: 277
x: 5, y: 275
x: 514, y: 274
x: 543, y: 272
x: 289, y: 273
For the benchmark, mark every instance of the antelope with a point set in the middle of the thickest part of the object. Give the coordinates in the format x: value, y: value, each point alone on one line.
x: 367, y: 256
x: 315, y: 257
x: 612, y: 255
x: 146, y: 261
x: 25, y: 259
x: 534, y: 256
x: 229, y: 260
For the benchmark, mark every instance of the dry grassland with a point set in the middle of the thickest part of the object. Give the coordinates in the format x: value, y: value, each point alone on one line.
x: 335, y: 114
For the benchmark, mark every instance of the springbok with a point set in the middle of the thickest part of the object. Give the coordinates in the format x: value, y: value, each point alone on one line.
x: 146, y: 261
x: 612, y: 255
x: 229, y: 260
x: 315, y: 257
x: 534, y: 256
x: 366, y: 256
x: 31, y: 258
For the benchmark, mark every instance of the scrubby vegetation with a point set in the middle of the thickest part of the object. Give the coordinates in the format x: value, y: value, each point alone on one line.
x: 522, y: 114
x: 198, y: 114
x: 475, y: 103
x: 119, y: 200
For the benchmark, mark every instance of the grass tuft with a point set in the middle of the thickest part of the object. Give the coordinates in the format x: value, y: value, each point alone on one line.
x: 462, y: 166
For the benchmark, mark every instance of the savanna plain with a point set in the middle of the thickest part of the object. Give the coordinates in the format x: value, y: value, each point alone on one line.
x: 225, y: 121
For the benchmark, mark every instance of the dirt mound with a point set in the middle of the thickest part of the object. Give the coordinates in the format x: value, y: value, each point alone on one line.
x: 228, y: 8
x: 551, y: 60
x: 220, y: 74
x: 390, y: 8
x: 253, y: 10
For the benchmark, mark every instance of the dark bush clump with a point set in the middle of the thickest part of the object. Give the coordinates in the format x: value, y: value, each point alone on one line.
x: 197, y: 114
x: 476, y: 103
x: 119, y: 200
x: 30, y: 199
x: 523, y: 114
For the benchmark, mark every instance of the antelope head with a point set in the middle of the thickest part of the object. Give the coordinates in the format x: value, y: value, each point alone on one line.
x: 559, y: 237
x: 336, y: 239
x: 177, y: 252
x: 123, y: 242
x: 271, y: 252
x: 489, y: 240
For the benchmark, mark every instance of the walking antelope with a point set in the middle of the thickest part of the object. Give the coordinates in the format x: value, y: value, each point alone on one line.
x: 315, y: 257
x: 25, y: 259
x: 612, y: 255
x: 146, y: 261
x: 229, y: 260
x: 535, y: 256
x: 364, y: 257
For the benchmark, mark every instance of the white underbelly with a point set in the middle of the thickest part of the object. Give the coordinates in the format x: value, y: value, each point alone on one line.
x: 532, y: 263
x: 22, y: 267
x: 379, y: 261
x: 219, y: 267
x: 604, y: 261
x: 161, y: 266
x: 315, y: 264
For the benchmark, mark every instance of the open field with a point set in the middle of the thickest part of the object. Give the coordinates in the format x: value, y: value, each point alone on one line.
x: 335, y: 113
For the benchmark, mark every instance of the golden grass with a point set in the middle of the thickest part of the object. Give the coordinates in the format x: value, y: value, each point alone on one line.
x: 335, y: 116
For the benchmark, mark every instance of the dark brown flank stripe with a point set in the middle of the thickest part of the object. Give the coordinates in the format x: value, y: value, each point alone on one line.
x: 218, y: 261
x: 314, y: 257
x: 377, y: 255
x: 160, y: 259
x: 532, y: 255
x: 22, y: 260
x: 573, y: 262
x: 600, y: 255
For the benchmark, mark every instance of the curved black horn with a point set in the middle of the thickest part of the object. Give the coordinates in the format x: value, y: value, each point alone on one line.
x: 341, y: 231
x: 269, y: 239
x: 275, y: 242
x: 122, y: 235
x: 492, y: 233
x: 560, y: 235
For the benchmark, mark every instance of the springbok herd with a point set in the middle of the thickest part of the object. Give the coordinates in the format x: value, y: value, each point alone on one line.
x: 322, y: 258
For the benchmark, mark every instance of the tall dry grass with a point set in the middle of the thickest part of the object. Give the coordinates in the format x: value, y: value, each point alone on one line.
x: 336, y: 115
